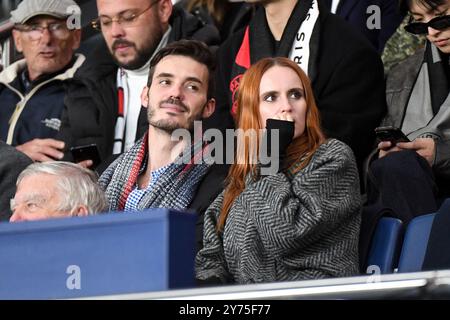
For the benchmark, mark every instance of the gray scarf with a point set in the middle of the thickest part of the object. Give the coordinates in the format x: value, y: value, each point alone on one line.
x: 428, y: 108
x: 175, y: 189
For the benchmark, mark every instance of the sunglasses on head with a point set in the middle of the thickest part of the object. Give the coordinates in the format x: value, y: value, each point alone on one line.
x: 438, y: 23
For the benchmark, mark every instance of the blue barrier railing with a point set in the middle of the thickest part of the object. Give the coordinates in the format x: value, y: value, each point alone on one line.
x: 117, y: 253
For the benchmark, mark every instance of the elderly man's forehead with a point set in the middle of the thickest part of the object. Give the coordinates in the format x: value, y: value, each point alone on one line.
x: 38, y: 178
x: 37, y: 185
x: 32, y: 192
x: 37, y: 195
x: 44, y: 18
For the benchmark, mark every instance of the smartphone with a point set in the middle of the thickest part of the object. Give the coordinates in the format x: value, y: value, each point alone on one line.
x: 391, y: 134
x: 87, y: 152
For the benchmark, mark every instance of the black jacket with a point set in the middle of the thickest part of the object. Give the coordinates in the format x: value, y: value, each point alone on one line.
x: 348, y: 87
x: 209, y: 189
x: 91, y: 103
x: 236, y: 16
x: 12, y: 162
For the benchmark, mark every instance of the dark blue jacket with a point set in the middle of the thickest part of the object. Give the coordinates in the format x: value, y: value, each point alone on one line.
x: 36, y: 113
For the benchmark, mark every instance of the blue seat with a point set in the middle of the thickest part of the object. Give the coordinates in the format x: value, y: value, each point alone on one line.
x: 385, y: 245
x: 415, y: 243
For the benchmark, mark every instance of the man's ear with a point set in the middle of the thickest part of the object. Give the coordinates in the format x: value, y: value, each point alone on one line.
x: 165, y: 11
x: 81, y: 211
x: 209, y: 108
x: 17, y: 40
x: 144, y: 97
x: 76, y: 34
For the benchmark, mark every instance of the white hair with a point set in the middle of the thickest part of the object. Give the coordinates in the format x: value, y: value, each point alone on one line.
x: 76, y: 185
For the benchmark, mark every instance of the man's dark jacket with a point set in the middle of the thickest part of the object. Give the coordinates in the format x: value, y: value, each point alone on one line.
x: 12, y: 162
x: 91, y: 104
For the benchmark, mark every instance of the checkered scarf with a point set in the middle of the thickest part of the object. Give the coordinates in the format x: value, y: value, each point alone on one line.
x: 174, y: 189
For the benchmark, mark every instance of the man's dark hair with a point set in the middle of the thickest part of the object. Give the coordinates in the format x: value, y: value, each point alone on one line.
x: 404, y: 5
x: 193, y: 49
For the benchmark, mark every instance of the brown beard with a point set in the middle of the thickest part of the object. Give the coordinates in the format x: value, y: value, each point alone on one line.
x: 143, y: 55
x: 170, y: 126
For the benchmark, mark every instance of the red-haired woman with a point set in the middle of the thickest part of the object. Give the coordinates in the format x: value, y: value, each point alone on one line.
x: 299, y: 222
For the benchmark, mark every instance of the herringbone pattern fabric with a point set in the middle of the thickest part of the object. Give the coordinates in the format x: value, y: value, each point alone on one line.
x: 281, y: 228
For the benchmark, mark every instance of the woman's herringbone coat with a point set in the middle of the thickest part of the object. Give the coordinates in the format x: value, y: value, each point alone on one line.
x: 283, y: 228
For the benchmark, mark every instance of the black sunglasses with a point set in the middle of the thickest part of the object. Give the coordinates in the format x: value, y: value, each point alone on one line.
x: 438, y: 23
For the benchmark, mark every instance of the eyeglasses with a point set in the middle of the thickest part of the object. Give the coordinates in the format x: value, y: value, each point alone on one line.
x: 125, y: 20
x: 35, y: 31
x: 438, y: 23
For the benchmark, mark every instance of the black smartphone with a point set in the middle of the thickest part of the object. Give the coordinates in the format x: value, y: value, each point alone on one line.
x: 87, y: 152
x: 391, y: 134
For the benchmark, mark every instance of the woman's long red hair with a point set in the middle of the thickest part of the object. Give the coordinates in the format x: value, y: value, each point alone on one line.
x: 248, y: 117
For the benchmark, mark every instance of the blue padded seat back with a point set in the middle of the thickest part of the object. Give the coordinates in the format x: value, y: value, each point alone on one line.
x: 385, y: 246
x: 415, y: 243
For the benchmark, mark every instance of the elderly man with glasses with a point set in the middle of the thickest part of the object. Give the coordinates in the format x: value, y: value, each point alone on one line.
x: 55, y: 190
x: 103, y: 106
x: 407, y: 179
x: 32, y: 90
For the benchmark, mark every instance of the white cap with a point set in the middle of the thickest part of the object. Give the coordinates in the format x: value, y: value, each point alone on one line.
x: 28, y: 9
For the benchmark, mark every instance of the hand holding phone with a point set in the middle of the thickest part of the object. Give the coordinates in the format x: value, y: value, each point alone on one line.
x: 87, y: 152
x: 391, y: 134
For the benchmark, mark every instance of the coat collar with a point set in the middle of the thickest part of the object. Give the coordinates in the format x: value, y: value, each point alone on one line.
x: 11, y: 72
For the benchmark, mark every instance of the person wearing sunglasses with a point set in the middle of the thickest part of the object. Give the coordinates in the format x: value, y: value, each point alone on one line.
x: 104, y: 106
x: 439, y: 23
x: 408, y: 179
